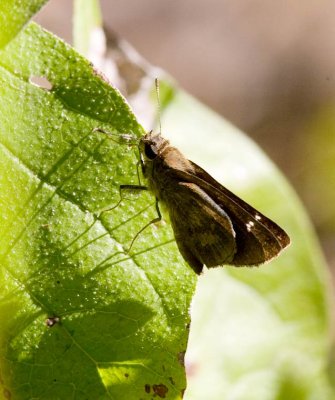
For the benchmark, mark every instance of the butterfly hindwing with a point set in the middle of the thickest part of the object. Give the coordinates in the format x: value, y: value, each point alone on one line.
x: 204, y: 223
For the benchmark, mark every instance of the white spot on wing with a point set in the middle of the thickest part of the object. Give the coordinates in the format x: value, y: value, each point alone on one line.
x: 250, y: 225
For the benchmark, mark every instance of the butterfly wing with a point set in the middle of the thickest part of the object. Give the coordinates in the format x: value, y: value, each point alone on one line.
x: 203, y: 231
x: 256, y: 238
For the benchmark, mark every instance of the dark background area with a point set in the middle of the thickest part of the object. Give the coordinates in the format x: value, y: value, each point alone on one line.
x: 268, y: 67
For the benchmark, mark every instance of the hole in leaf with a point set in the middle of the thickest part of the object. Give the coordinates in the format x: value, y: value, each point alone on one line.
x: 51, y: 321
x: 41, y: 81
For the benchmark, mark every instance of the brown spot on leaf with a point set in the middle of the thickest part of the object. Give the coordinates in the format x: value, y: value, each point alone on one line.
x: 181, y: 358
x: 160, y: 390
x: 126, y: 375
x: 7, y: 394
x: 182, y: 393
x: 147, y: 388
x: 100, y: 74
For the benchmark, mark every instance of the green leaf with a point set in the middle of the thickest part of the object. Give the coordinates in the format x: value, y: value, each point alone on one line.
x: 257, y: 333
x: 14, y: 14
x: 120, y: 322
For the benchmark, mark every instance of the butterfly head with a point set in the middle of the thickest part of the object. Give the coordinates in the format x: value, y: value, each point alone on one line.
x: 151, y: 146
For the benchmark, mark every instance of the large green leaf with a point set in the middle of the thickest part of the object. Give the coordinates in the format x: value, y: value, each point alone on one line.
x: 123, y: 319
x: 256, y: 333
x: 261, y: 333
x: 14, y: 14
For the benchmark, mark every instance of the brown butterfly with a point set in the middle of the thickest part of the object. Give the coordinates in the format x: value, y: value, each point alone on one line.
x: 212, y: 226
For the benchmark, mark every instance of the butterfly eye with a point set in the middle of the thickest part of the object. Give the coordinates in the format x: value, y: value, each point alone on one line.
x: 150, y: 151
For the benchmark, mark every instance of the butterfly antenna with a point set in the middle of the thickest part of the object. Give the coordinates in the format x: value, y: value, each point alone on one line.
x: 158, y: 105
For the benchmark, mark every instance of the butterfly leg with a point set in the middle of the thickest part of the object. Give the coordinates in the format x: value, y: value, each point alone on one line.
x: 138, y: 164
x: 153, y: 221
x: 132, y: 189
x: 120, y: 138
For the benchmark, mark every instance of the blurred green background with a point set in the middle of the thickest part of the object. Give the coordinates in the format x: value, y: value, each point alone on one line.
x: 266, y: 66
